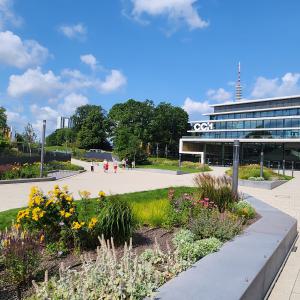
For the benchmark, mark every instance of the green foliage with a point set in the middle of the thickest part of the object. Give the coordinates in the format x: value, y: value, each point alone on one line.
x: 20, y: 253
x: 253, y: 171
x: 3, y: 118
x: 192, y: 250
x: 91, y: 125
x: 210, y: 223
x: 116, y: 219
x: 61, y: 137
x: 216, y: 189
x: 153, y: 212
x: 243, y: 209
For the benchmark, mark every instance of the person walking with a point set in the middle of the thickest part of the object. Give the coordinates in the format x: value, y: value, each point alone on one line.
x: 123, y: 164
x: 115, y: 164
x: 92, y: 166
x: 133, y: 164
x: 105, y: 166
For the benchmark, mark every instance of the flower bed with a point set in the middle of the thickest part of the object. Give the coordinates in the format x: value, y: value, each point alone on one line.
x: 186, y: 227
x: 26, y: 170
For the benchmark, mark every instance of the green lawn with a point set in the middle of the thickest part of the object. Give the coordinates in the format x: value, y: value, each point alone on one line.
x: 149, y: 207
x: 171, y: 168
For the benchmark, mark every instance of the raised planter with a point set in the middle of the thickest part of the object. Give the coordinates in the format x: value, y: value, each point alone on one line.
x: 265, y: 184
x: 244, y: 268
x: 52, y: 176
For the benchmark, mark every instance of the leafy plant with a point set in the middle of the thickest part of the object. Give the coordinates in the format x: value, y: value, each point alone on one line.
x: 210, y: 223
x: 216, y: 189
x: 116, y: 220
x: 244, y: 210
x: 20, y: 254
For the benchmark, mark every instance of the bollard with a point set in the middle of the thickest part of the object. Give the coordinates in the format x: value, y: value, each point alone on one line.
x: 179, y: 161
x: 235, y: 173
x: 283, y: 167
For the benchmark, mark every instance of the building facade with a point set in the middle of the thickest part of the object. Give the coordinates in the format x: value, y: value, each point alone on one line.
x: 271, y: 126
x: 64, y: 122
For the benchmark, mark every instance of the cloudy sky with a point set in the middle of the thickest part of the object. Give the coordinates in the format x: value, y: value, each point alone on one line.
x: 56, y: 55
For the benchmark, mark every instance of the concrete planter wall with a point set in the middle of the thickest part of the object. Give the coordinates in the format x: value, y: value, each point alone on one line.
x: 160, y: 171
x: 243, y: 268
x: 265, y: 184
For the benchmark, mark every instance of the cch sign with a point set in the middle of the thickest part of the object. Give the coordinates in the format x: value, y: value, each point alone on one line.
x: 204, y: 126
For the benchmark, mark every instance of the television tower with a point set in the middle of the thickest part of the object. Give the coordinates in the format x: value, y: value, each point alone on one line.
x: 238, y: 86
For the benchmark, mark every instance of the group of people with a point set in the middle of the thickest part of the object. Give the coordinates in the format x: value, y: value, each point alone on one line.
x: 125, y: 165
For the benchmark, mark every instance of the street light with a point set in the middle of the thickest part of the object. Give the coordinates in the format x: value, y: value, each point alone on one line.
x: 42, y: 150
x: 235, y: 172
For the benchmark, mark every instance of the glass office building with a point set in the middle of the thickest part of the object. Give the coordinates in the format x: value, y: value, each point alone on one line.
x: 270, y: 125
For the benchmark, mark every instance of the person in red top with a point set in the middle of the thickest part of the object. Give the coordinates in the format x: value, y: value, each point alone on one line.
x: 105, y: 165
x: 115, y: 164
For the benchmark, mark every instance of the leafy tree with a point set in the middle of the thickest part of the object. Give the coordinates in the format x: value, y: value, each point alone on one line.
x: 61, y: 136
x: 3, y: 118
x: 90, y: 124
x: 29, y: 136
x: 169, y: 124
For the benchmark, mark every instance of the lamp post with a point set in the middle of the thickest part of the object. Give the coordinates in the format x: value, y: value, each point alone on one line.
x: 42, y: 150
x: 262, y: 163
x: 235, y: 173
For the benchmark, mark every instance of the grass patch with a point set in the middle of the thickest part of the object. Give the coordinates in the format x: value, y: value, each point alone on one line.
x: 172, y: 165
x: 246, y: 172
x: 149, y: 207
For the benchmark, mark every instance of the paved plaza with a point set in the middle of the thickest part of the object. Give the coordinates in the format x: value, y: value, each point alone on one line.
x: 286, y: 198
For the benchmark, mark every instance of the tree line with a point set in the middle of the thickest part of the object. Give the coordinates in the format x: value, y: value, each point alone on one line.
x: 134, y: 129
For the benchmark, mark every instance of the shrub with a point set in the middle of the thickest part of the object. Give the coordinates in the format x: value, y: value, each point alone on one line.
x: 210, y: 223
x: 130, y: 277
x: 243, y: 209
x: 20, y: 254
x: 116, y: 219
x: 192, y: 250
x: 216, y: 189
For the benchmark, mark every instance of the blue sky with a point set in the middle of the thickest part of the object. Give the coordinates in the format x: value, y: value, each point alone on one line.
x: 58, y: 54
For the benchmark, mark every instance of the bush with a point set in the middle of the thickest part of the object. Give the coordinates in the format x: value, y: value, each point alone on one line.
x: 62, y: 165
x: 216, y: 189
x: 20, y: 253
x: 130, y: 277
x: 210, y: 223
x: 116, y: 220
x: 192, y: 250
x: 243, y: 209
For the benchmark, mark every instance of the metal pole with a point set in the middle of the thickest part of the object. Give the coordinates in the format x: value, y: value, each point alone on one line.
x: 156, y: 150
x: 278, y: 168
x: 179, y: 161
x: 292, y: 169
x: 262, y: 164
x: 283, y: 167
x: 42, y: 150
x: 235, y: 173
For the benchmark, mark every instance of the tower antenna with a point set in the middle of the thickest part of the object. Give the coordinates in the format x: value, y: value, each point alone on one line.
x: 238, y: 87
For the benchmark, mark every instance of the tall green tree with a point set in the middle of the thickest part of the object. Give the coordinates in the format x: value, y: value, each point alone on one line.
x: 169, y: 124
x: 3, y: 118
x: 61, y: 137
x: 90, y: 124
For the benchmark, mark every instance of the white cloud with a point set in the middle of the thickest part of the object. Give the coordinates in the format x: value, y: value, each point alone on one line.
x: 77, y: 31
x: 71, y: 102
x: 289, y: 84
x: 16, y: 119
x: 193, y: 107
x: 90, y: 60
x: 175, y: 10
x: 20, y: 54
x: 114, y: 81
x: 33, y: 81
x: 7, y: 15
x: 220, y: 95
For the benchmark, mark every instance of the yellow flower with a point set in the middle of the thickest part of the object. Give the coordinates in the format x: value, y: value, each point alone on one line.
x: 37, y: 213
x: 49, y: 202
x: 42, y: 238
x: 101, y: 194
x: 22, y: 214
x: 92, y: 223
x: 84, y: 194
x: 5, y: 243
x: 69, y: 198
x: 77, y: 225
x: 67, y: 215
x: 72, y: 209
x: 62, y: 213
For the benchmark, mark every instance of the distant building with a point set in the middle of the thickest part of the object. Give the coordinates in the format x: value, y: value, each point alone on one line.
x: 64, y: 122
